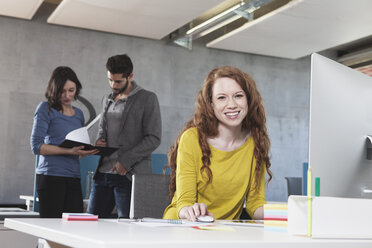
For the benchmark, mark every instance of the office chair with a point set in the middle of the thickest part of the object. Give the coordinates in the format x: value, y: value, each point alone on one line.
x: 149, y: 195
x: 159, y: 160
x: 35, y: 206
x: 87, y: 164
x: 294, y: 185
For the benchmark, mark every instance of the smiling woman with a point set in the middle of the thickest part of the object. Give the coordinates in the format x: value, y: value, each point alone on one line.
x: 221, y: 156
x: 230, y: 106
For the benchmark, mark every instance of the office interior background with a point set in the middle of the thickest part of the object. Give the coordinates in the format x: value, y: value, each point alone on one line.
x: 33, y: 45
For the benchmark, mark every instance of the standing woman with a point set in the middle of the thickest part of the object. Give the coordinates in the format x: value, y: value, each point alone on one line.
x: 221, y: 156
x: 58, y: 171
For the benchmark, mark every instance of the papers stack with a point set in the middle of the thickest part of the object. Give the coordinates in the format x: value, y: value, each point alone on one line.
x: 276, y: 217
x: 332, y: 217
x: 79, y: 216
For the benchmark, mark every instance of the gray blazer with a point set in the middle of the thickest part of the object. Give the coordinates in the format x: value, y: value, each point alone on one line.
x: 140, y: 131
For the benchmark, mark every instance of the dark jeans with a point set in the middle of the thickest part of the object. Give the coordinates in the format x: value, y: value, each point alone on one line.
x: 58, y: 195
x: 109, y: 190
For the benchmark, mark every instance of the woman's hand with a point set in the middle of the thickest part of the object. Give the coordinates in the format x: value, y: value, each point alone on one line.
x: 78, y: 150
x: 192, y: 212
x: 259, y: 213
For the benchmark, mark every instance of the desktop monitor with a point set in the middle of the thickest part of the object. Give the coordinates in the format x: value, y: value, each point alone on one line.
x: 340, y: 120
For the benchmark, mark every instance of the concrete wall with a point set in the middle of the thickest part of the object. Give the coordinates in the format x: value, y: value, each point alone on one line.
x: 30, y: 50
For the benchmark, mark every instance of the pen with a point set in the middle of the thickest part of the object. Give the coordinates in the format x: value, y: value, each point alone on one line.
x: 309, y: 206
x: 127, y: 220
x: 169, y: 221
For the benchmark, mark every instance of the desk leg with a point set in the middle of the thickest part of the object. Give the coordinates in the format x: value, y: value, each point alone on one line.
x: 42, y: 243
x: 28, y: 204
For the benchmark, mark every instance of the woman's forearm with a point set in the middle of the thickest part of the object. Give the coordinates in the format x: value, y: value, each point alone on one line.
x: 47, y: 149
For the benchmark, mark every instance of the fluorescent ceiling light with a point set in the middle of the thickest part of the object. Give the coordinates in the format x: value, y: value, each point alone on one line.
x: 219, y: 25
x: 201, y: 25
x: 243, y: 9
x: 360, y: 57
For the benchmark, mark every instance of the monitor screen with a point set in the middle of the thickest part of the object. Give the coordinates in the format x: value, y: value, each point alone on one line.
x: 340, y: 120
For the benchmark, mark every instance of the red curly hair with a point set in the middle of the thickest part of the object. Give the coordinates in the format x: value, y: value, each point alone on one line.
x: 206, y: 123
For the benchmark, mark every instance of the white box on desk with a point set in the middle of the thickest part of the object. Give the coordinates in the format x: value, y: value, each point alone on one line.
x: 332, y: 217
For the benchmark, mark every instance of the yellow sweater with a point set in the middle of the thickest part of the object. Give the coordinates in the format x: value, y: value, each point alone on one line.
x: 233, y: 179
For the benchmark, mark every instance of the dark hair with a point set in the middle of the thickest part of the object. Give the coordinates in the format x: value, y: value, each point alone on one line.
x: 120, y: 64
x: 56, y: 83
x: 206, y: 123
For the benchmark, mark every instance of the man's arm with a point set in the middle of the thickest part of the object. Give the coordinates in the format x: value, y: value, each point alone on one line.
x: 101, y: 127
x: 151, y: 126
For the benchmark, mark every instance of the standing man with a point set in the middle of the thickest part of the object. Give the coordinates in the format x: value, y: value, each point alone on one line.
x: 131, y: 121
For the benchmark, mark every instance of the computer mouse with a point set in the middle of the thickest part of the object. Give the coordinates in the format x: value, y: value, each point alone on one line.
x: 205, y: 218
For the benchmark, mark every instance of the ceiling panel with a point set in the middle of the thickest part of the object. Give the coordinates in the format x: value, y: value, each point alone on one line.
x: 19, y: 8
x: 300, y: 28
x: 144, y: 18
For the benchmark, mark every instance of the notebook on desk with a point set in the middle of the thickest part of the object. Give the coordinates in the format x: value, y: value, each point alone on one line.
x: 79, y: 216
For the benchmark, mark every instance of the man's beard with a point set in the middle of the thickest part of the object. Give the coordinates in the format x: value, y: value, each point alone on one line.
x: 121, y: 90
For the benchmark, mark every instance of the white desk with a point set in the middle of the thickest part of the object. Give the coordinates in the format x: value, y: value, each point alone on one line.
x: 110, y: 233
x: 16, y: 213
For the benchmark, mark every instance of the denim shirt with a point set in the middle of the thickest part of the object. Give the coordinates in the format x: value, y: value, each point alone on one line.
x: 51, y: 127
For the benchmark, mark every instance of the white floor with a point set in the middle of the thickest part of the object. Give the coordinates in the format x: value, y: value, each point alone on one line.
x: 13, y: 239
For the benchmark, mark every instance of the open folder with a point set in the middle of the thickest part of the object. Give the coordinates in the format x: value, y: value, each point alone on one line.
x: 103, y: 151
x: 80, y: 137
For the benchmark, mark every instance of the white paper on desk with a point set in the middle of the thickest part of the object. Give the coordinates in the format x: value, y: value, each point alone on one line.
x: 297, y: 215
x: 342, y: 218
x: 254, y: 223
x: 332, y: 217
